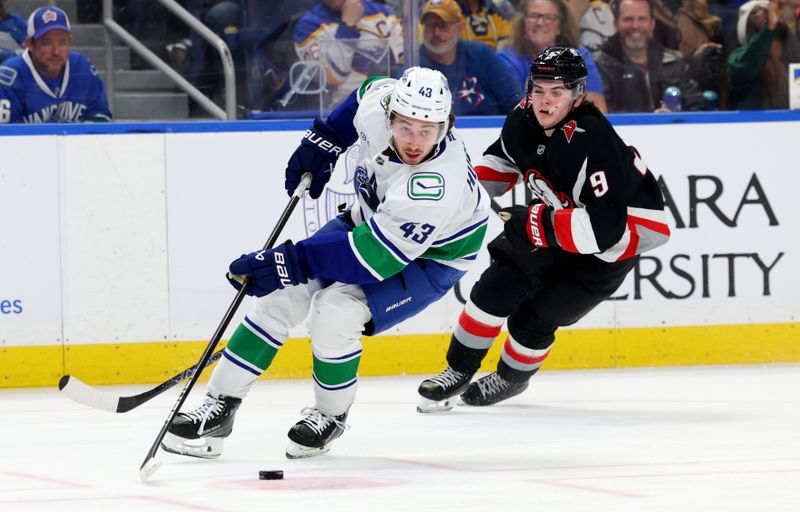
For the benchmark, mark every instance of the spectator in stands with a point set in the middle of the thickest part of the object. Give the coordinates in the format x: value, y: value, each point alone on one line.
x: 637, y: 69
x: 158, y: 29
x: 665, y: 30
x: 788, y: 11
x: 543, y: 23
x: 13, y: 31
x: 47, y: 82
x: 271, y: 58
x: 757, y: 70
x: 794, y: 18
x: 595, y: 20
x: 485, y: 22
x: 206, y: 71
x: 351, y: 39
x: 701, y: 44
x: 481, y: 83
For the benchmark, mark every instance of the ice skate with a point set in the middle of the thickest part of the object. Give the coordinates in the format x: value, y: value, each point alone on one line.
x: 491, y: 389
x: 314, y: 434
x: 439, y: 393
x: 201, y: 433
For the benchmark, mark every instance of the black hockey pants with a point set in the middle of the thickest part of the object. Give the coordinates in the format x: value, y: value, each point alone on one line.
x: 538, y: 292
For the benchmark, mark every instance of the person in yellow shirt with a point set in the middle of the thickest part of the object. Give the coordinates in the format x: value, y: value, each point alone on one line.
x: 486, y: 21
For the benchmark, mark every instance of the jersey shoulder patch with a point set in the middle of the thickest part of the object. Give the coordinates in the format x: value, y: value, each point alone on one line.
x: 7, y: 76
x: 426, y: 186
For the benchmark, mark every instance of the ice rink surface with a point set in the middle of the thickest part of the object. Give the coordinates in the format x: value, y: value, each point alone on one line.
x: 670, y: 439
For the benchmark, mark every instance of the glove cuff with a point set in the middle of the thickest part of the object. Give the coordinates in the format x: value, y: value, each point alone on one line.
x: 324, y: 129
x: 299, y: 275
x: 299, y: 255
x: 535, y: 227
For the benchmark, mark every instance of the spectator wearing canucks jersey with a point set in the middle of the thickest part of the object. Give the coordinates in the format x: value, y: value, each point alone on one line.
x: 349, y: 37
x: 48, y: 83
x: 481, y: 83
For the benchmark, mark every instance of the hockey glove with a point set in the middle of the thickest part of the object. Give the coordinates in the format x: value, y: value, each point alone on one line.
x: 268, y: 270
x: 526, y: 226
x: 317, y: 154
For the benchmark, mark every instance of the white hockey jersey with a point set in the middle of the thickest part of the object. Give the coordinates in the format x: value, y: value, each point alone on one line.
x: 434, y: 210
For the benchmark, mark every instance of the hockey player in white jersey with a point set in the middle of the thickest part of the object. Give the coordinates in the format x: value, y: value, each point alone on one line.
x: 417, y: 223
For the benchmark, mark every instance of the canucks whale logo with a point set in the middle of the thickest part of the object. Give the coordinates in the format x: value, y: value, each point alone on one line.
x: 339, y: 190
x: 366, y: 186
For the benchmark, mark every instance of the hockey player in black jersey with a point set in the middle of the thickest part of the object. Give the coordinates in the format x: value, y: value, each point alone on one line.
x: 596, y: 207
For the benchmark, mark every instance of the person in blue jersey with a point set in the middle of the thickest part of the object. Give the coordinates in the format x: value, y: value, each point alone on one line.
x: 481, y: 83
x: 349, y: 37
x: 48, y: 83
x: 417, y: 222
x: 13, y: 31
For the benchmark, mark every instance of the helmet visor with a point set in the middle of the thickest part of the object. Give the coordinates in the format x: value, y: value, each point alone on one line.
x: 407, y: 131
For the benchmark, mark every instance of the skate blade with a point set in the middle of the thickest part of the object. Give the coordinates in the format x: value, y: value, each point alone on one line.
x: 426, y: 406
x: 203, y: 448
x: 298, y: 451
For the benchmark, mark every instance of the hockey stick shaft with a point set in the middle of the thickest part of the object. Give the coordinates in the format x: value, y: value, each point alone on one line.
x: 82, y: 393
x: 149, y: 466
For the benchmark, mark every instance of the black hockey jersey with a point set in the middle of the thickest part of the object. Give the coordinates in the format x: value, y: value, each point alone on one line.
x: 594, y: 194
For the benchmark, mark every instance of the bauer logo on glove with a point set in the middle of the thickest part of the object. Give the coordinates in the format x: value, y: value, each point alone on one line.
x: 268, y: 270
x: 527, y: 226
x: 324, y: 145
x: 317, y: 154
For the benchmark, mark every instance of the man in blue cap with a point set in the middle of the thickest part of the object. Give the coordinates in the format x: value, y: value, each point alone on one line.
x: 49, y: 83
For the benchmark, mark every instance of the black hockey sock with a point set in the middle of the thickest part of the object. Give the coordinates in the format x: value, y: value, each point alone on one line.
x: 464, y: 359
x: 512, y: 375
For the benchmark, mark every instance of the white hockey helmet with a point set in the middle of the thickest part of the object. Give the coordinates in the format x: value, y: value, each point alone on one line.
x: 423, y: 94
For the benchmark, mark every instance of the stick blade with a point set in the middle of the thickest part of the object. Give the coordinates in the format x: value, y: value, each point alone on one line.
x: 148, y: 468
x: 85, y: 394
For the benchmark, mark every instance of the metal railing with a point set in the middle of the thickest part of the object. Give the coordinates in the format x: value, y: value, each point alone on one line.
x: 411, y: 12
x: 112, y: 27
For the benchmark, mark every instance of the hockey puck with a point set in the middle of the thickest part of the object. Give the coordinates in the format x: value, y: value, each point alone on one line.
x: 270, y: 475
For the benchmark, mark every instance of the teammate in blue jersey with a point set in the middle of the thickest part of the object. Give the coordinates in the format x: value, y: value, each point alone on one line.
x: 416, y: 225
x: 48, y: 83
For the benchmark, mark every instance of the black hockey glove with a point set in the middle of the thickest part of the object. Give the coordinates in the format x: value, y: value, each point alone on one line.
x: 317, y: 154
x: 525, y: 226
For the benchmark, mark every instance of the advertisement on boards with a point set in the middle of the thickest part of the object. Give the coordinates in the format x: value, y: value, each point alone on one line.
x: 30, y: 248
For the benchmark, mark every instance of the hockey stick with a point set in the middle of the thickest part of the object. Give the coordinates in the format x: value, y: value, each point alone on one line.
x: 150, y: 465
x: 85, y: 394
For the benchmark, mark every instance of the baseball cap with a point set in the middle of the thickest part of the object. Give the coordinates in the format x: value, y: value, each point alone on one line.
x: 448, y: 10
x: 47, y: 18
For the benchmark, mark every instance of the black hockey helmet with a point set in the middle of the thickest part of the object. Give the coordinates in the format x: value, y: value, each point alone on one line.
x: 559, y: 63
